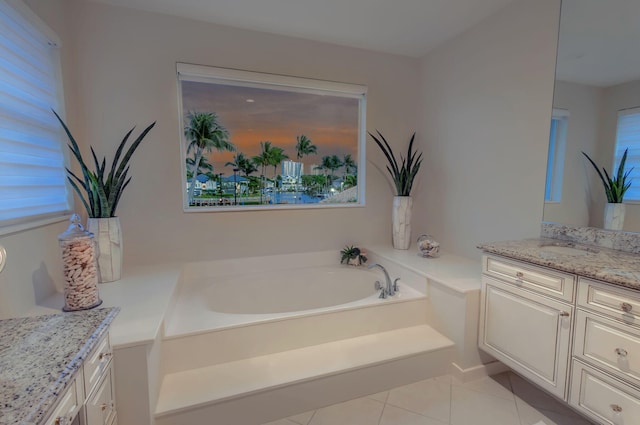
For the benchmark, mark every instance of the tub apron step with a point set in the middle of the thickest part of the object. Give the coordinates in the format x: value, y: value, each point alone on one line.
x: 259, y: 389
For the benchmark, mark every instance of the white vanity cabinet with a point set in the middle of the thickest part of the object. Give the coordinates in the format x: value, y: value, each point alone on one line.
x: 526, y: 317
x: 90, y: 398
x: 575, y: 337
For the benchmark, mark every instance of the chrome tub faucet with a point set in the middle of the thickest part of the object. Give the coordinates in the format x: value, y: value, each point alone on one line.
x: 390, y: 288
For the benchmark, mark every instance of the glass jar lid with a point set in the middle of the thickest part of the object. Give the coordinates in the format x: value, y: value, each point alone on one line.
x: 75, y: 230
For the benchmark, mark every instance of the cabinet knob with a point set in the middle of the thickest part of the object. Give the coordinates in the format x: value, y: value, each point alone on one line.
x: 616, y: 408
x: 564, y: 314
x: 105, y: 406
x: 104, y: 356
x: 519, y: 275
x: 621, y: 352
x: 626, y: 307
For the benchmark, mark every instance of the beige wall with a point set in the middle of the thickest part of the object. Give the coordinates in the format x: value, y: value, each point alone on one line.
x: 483, y: 123
x: 583, y: 103
x: 120, y: 72
x: 486, y: 107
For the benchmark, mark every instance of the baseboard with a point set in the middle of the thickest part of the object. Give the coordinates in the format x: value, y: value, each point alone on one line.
x: 477, y: 372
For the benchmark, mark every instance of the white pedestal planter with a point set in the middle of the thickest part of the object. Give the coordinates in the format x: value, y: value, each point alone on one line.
x: 401, y: 218
x: 109, y: 244
x: 614, y: 216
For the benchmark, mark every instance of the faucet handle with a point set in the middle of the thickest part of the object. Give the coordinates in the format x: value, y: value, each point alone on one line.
x: 378, y: 285
x: 395, y: 285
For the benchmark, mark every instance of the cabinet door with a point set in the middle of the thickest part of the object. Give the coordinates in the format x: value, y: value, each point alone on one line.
x: 528, y: 332
x: 100, y: 407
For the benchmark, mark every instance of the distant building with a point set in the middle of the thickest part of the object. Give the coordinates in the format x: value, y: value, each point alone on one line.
x: 291, y: 174
x: 292, y: 169
x: 203, y: 183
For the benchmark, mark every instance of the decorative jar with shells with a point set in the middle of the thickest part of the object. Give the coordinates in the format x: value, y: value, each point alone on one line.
x: 79, y: 267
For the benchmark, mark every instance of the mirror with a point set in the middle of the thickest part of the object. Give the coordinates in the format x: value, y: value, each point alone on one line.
x: 265, y: 141
x: 597, y: 76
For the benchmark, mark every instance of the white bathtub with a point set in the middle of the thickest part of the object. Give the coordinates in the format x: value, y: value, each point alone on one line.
x: 290, y: 290
x: 228, y: 293
x: 233, y: 309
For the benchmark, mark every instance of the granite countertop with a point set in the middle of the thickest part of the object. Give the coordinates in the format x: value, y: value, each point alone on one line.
x: 609, y: 265
x: 39, y: 356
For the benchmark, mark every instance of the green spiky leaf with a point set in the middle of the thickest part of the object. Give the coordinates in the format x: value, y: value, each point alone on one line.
x: 614, y: 188
x: 100, y: 193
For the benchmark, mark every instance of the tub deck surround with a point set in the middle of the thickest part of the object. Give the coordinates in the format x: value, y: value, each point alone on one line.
x: 144, y: 294
x: 613, y: 266
x: 148, y: 295
x: 454, y: 272
x: 38, y: 357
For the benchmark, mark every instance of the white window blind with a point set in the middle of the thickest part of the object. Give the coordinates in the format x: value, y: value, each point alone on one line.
x: 555, y: 156
x: 32, y: 157
x: 628, y: 137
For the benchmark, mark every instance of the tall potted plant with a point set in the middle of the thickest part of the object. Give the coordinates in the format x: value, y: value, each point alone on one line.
x: 403, y: 175
x: 614, y: 188
x: 99, y: 191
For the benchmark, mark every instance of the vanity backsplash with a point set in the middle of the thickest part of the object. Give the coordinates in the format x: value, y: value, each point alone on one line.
x: 612, y: 239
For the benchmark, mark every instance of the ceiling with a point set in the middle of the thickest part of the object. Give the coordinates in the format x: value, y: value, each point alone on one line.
x: 599, y: 42
x: 405, y: 27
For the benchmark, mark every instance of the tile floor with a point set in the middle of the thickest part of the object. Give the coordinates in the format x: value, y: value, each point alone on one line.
x: 504, y: 399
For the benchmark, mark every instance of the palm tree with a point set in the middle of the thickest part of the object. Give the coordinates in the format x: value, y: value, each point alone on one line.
x: 349, y: 164
x: 325, y: 166
x: 304, y: 147
x: 264, y: 158
x: 204, y: 133
x: 334, y: 164
x: 276, y: 157
x: 244, y: 164
x: 205, y: 167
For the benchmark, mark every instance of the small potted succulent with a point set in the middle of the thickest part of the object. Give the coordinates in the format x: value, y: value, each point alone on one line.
x: 353, y: 256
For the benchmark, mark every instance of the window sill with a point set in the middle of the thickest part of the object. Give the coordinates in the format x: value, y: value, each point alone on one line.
x: 21, y: 227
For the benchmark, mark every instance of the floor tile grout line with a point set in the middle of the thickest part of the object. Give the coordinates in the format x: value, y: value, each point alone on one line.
x: 384, y: 406
x: 416, y: 413
x: 312, y: 415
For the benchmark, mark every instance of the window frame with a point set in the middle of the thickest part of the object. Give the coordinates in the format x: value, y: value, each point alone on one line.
x: 243, y: 78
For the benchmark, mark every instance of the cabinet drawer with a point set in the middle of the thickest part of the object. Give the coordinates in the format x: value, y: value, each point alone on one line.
x: 96, y: 364
x: 68, y: 407
x: 101, y: 407
x: 608, y: 344
x: 602, y: 397
x: 534, y: 278
x: 611, y: 300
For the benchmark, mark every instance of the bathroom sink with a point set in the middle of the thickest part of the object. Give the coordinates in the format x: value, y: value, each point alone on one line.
x: 565, y: 250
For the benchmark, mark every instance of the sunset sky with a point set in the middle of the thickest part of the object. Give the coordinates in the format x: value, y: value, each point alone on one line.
x: 253, y: 115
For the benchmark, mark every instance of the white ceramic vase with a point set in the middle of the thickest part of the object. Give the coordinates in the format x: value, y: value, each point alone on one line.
x: 109, y: 247
x: 614, y: 216
x: 401, y: 219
